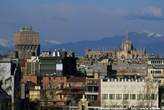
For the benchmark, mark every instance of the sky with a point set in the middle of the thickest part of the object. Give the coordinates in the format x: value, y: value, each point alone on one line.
x: 61, y: 21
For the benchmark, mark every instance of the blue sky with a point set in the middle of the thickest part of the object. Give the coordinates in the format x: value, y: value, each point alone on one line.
x: 74, y: 20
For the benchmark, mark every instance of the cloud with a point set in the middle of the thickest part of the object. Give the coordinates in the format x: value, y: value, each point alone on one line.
x: 4, y: 42
x: 76, y: 22
x: 147, y: 13
x: 53, y: 42
x: 151, y: 11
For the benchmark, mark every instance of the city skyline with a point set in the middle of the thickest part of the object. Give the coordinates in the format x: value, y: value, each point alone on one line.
x: 71, y: 21
x: 81, y: 55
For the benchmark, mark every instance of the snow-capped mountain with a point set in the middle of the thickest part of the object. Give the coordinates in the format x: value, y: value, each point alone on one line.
x: 152, y: 34
x: 151, y: 41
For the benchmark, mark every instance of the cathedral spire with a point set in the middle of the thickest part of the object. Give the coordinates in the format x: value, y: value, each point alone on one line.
x: 127, y: 36
x: 127, y: 44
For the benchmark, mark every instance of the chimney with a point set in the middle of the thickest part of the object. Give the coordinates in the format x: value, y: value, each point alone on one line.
x: 65, y: 54
x: 73, y: 54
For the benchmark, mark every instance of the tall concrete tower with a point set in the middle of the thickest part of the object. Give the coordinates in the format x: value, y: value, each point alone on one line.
x: 26, y: 42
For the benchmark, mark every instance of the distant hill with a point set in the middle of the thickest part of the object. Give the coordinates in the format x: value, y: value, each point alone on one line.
x: 152, y: 42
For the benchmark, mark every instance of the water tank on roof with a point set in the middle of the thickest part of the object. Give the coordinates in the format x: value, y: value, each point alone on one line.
x: 58, y: 54
x: 54, y: 54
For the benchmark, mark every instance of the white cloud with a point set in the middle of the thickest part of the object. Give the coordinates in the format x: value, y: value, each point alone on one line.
x: 53, y: 42
x: 147, y: 13
x: 4, y: 42
x: 151, y: 11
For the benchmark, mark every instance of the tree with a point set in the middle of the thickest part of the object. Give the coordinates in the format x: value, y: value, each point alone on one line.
x: 150, y: 89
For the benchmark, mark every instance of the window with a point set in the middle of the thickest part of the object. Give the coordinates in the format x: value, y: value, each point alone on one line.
x: 96, y: 89
x: 139, y: 97
x: 133, y: 96
x: 92, y: 97
x: 104, y: 96
x: 111, y: 96
x: 118, y: 96
x: 147, y: 96
x: 151, y: 71
x: 156, y: 72
x: 153, y: 96
x: 126, y: 96
x: 152, y: 62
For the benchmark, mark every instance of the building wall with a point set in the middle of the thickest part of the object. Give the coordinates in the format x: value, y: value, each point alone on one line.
x: 128, y: 93
x: 32, y: 78
x: 34, y: 94
x: 6, y: 77
x: 53, y: 82
x: 48, y: 65
x: 26, y: 42
x: 32, y: 66
x: 130, y: 54
x: 92, y: 92
x: 156, y: 69
x: 10, y: 76
x: 125, y: 68
x: 95, y: 54
x: 54, y: 90
x: 26, y: 38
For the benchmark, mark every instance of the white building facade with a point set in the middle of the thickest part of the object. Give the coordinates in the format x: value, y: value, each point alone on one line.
x: 119, y: 93
x: 156, y: 69
x: 10, y: 77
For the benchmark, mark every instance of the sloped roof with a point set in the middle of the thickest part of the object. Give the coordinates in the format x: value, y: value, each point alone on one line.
x: 76, y: 79
x: 4, y: 95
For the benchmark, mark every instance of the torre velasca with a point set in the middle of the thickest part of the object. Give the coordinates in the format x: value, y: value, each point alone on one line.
x: 26, y: 42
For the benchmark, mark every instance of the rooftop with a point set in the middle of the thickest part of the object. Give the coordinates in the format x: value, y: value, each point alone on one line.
x: 4, y: 95
x: 26, y: 29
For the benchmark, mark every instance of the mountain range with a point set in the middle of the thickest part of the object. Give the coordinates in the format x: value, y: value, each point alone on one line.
x: 152, y: 42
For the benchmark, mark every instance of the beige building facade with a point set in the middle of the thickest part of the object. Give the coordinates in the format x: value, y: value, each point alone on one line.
x: 128, y: 93
x: 156, y: 69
